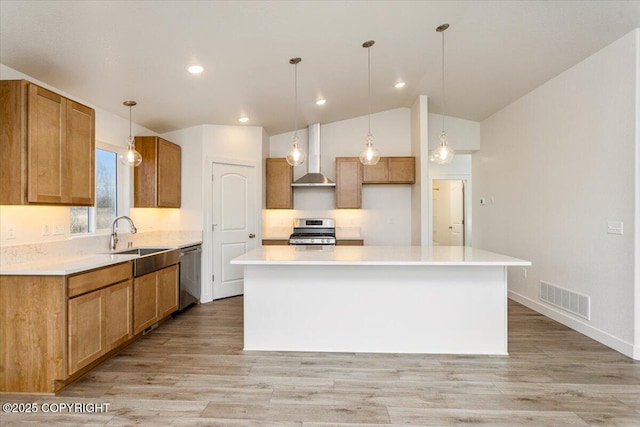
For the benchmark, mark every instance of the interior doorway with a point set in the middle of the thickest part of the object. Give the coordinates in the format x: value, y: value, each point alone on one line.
x: 448, y: 209
x: 234, y: 223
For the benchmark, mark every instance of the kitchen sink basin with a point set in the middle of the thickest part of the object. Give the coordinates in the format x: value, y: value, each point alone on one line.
x: 150, y: 259
x: 140, y: 251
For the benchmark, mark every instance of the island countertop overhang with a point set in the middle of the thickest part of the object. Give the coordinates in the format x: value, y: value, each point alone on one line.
x: 376, y: 255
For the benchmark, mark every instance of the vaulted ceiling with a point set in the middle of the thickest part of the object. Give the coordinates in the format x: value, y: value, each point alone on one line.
x: 105, y: 52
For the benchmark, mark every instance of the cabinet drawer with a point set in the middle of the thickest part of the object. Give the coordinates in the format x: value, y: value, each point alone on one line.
x: 96, y: 279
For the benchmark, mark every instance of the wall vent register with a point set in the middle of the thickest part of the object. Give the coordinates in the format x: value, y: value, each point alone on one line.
x: 565, y: 299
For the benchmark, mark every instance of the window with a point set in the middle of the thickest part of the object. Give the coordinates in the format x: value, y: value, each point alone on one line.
x: 85, y: 219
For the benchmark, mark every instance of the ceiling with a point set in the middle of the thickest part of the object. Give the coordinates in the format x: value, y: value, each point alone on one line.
x: 105, y: 52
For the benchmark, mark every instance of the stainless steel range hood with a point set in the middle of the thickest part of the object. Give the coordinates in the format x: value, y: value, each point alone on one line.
x: 313, y: 178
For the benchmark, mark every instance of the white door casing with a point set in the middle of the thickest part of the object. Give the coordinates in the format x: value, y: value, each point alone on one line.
x: 234, y: 223
x: 456, y: 224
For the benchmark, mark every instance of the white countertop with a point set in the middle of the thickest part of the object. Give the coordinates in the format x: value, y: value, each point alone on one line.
x: 63, y: 266
x: 376, y: 255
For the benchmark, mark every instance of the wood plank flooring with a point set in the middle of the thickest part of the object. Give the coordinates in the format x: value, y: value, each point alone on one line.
x: 192, y: 372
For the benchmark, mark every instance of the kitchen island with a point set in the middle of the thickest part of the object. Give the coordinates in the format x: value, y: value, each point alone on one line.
x: 379, y: 299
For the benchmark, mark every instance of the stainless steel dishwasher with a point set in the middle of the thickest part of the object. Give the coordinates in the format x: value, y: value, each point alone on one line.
x: 190, y: 263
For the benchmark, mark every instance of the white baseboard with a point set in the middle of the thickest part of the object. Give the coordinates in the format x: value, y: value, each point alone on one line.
x: 605, y: 338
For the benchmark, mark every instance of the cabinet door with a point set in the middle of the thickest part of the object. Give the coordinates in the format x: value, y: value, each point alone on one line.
x: 47, y: 163
x: 402, y: 170
x: 376, y: 174
x: 145, y: 304
x: 348, y: 183
x: 169, y: 174
x: 86, y: 329
x: 167, y: 291
x: 279, y: 178
x: 119, y: 313
x: 80, y: 153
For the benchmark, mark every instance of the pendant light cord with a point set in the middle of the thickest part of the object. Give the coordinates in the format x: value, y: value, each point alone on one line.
x: 442, y: 81
x: 130, y: 139
x: 369, y: 84
x: 295, y: 111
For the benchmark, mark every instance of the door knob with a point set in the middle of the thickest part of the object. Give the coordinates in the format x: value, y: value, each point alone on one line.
x: 451, y: 227
x: 251, y: 236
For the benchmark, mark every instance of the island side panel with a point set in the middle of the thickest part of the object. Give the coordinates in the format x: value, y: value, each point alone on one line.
x: 387, y: 309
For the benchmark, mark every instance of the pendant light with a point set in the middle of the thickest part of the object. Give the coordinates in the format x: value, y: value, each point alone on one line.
x: 130, y: 157
x: 444, y: 153
x: 295, y: 156
x: 370, y: 155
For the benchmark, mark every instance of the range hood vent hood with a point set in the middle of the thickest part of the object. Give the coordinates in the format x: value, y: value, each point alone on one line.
x: 313, y: 178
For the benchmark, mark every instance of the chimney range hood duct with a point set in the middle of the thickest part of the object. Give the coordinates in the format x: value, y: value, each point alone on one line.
x: 313, y: 178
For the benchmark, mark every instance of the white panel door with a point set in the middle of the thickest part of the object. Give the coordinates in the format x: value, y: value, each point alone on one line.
x: 234, y: 225
x: 456, y: 237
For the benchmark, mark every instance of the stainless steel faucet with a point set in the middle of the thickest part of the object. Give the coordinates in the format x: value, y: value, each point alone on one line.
x: 114, y: 233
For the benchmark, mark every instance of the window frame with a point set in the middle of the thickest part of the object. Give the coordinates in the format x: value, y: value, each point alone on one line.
x: 124, y: 183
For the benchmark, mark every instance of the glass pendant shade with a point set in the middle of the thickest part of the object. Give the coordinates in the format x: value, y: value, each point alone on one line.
x: 370, y: 155
x: 131, y: 157
x: 295, y: 156
x: 444, y: 154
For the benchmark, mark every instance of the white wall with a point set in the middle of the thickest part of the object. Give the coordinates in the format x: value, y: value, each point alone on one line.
x: 463, y: 135
x: 385, y: 217
x: 558, y: 164
x: 28, y: 220
x: 420, y: 197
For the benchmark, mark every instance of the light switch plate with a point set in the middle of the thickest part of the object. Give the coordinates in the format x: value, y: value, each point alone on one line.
x: 615, y: 227
x: 46, y: 229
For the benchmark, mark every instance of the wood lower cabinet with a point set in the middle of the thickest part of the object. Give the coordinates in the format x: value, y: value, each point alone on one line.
x: 391, y: 170
x: 47, y: 145
x: 155, y: 296
x: 278, y: 184
x: 55, y: 328
x: 157, y: 181
x: 98, y: 322
x: 348, y: 183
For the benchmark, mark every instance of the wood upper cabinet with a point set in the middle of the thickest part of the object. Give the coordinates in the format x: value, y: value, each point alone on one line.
x: 48, y: 147
x: 391, y: 170
x: 279, y: 178
x: 348, y: 183
x: 155, y: 296
x: 157, y: 181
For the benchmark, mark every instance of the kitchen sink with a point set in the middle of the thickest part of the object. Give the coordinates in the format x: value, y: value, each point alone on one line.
x: 139, y: 251
x: 150, y: 259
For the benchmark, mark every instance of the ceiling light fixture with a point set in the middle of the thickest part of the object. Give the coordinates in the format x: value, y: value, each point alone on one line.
x: 130, y: 157
x: 443, y: 154
x: 400, y: 85
x: 295, y: 156
x: 243, y: 119
x: 321, y: 101
x: 195, y: 69
x: 370, y: 155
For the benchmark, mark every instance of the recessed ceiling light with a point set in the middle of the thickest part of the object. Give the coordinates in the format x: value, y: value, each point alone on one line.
x: 243, y: 119
x: 321, y: 101
x: 195, y: 69
x: 400, y: 85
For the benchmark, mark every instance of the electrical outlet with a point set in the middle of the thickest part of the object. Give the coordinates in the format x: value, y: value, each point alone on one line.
x: 10, y: 231
x: 483, y: 201
x: 614, y: 227
x: 46, y: 229
x: 58, y: 229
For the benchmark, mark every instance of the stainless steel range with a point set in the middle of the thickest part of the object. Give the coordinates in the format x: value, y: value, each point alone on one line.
x: 313, y: 231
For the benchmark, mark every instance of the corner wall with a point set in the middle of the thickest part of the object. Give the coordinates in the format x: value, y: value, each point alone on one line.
x: 555, y: 166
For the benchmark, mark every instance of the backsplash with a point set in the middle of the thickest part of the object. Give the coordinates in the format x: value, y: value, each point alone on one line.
x: 87, y: 245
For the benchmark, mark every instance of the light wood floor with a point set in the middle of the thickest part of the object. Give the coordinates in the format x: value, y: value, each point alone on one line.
x: 192, y: 372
